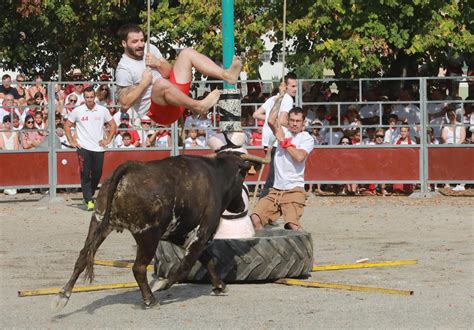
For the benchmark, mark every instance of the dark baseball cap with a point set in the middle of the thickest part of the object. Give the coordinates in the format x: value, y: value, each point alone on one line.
x: 124, y: 116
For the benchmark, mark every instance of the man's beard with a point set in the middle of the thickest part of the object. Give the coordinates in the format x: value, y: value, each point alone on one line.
x: 133, y: 53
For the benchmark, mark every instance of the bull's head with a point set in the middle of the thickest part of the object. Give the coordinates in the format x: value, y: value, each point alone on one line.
x: 244, y: 163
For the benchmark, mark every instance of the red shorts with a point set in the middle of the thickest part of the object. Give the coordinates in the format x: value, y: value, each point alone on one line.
x: 168, y: 114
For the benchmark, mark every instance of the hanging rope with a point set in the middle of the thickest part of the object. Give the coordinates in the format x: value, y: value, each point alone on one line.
x: 148, y: 13
x: 284, y: 41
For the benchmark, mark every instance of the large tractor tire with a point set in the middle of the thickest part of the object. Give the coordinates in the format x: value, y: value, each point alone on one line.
x: 269, y: 255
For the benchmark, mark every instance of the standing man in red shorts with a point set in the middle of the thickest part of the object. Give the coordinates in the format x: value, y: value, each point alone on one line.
x: 152, y: 86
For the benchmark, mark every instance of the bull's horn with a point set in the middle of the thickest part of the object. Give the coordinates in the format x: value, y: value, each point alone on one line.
x: 256, y: 159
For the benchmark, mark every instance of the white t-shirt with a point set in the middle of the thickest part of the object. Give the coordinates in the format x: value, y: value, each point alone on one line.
x: 197, y: 121
x: 129, y: 73
x: 90, y: 125
x: 286, y: 106
x: 123, y: 146
x: 369, y: 111
x: 288, y: 172
x: 200, y: 142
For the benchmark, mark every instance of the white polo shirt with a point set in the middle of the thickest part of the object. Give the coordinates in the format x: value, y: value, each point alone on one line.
x: 289, y: 173
x: 90, y: 125
x: 129, y: 73
x: 286, y: 106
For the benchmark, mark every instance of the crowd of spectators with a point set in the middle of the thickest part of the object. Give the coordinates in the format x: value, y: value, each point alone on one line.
x: 335, y: 115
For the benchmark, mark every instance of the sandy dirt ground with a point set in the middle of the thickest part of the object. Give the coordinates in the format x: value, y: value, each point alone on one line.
x: 39, y: 242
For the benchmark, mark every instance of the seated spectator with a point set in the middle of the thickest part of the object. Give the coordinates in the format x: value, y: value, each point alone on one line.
x: 6, y: 87
x: 121, y: 130
x: 103, y: 96
x: 371, y: 190
x: 37, y: 88
x: 356, y: 138
x: 78, y: 91
x: 454, y: 132
x: 62, y: 137
x: 8, y: 141
x: 315, y: 133
x: 145, y: 122
x: 40, y: 103
x: 125, y: 119
x: 351, y: 119
x: 404, y: 137
x: 430, y: 136
x: 256, y: 139
x: 20, y: 89
x: 370, y: 113
x: 369, y: 138
x: 392, y: 132
x: 194, y: 140
x: 198, y: 121
x: 335, y: 134
x: 30, y: 137
x: 408, y: 114
x: 127, y: 141
x: 7, y: 106
x: 40, y: 124
x: 160, y: 138
x: 9, y: 138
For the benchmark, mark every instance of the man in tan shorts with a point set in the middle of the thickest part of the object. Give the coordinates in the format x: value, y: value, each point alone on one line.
x: 287, y: 197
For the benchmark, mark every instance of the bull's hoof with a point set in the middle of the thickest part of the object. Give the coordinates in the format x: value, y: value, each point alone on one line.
x: 220, y: 291
x: 59, y: 301
x: 159, y: 285
x: 150, y: 302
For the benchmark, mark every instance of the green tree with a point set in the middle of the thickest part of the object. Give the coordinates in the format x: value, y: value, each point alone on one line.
x: 35, y: 34
x: 380, y: 37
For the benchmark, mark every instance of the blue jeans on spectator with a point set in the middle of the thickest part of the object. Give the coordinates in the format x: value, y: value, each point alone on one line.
x: 271, y: 175
x: 90, y: 166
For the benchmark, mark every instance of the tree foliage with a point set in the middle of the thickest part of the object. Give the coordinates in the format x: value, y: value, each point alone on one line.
x: 354, y: 38
x: 381, y: 37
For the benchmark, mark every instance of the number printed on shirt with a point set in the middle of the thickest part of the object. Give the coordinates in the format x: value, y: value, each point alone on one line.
x: 85, y: 118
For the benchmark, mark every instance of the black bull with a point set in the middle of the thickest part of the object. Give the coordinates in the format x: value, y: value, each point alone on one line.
x: 178, y: 199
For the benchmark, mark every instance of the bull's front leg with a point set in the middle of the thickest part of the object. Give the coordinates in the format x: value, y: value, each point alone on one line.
x: 193, y: 252
x: 219, y: 287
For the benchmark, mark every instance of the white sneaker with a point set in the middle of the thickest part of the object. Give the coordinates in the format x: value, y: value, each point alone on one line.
x: 459, y: 187
x: 10, y: 192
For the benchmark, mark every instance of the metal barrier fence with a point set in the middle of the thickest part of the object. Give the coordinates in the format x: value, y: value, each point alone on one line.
x: 50, y: 167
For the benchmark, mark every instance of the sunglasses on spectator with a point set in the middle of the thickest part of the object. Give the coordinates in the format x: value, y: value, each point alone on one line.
x: 104, y: 89
x: 72, y: 100
x: 29, y: 122
x: 20, y: 80
x: 379, y: 136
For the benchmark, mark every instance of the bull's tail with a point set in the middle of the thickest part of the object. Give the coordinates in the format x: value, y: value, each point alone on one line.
x: 104, y: 228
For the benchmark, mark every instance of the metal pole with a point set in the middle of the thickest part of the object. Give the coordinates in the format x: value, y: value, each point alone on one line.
x: 228, y: 44
x: 423, y: 141
x: 52, y: 168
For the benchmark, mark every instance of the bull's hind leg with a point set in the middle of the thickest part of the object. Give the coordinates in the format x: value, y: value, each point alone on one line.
x: 62, y: 298
x: 146, y: 248
x: 219, y: 287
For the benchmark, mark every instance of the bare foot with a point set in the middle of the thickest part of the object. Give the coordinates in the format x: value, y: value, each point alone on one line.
x: 206, y: 104
x: 231, y: 75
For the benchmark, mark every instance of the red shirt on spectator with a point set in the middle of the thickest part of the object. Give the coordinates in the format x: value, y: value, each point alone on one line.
x: 257, y: 138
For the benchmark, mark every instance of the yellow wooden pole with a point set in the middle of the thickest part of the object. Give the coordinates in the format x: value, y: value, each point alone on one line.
x: 364, y: 265
x: 289, y: 281
x: 84, y: 288
x: 118, y: 264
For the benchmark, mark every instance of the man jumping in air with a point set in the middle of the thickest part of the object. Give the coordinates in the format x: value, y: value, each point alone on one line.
x: 152, y: 86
